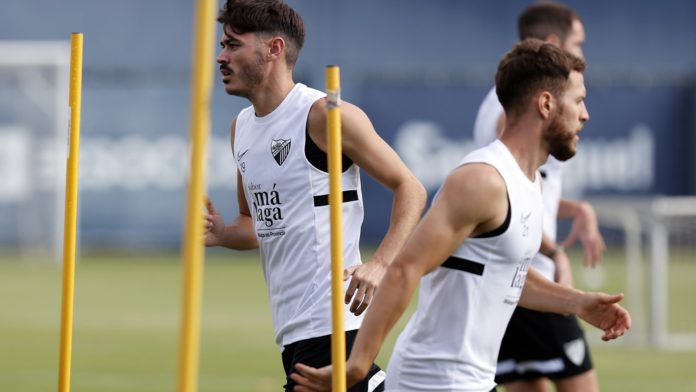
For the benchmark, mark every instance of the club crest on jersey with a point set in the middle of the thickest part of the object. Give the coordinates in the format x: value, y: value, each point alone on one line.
x: 280, y: 149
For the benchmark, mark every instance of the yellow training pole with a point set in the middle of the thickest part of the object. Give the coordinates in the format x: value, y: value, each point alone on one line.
x: 333, y: 127
x: 192, y: 249
x: 70, y: 229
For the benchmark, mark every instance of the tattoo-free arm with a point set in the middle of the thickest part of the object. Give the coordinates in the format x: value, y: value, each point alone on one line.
x: 599, y: 309
x: 362, y: 144
x: 240, y: 234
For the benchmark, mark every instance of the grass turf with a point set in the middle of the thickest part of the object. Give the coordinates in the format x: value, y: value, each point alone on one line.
x: 127, y: 317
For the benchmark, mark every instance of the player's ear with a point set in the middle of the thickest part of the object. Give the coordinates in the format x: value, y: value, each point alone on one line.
x: 545, y: 104
x: 276, y: 47
x: 554, y: 40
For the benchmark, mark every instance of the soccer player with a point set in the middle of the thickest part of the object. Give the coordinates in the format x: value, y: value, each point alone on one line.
x: 539, y: 346
x: 279, y: 143
x: 472, y: 250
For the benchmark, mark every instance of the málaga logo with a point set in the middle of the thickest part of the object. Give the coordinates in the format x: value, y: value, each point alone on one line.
x: 280, y: 149
x: 267, y: 205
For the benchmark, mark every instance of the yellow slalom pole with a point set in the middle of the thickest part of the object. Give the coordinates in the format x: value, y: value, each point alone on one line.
x: 333, y: 127
x: 70, y: 228
x: 192, y: 249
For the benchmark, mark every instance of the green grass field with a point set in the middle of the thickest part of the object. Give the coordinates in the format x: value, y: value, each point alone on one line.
x: 127, y: 317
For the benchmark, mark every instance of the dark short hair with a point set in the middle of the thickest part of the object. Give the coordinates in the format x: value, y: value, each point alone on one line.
x: 544, y: 19
x: 266, y: 16
x: 530, y: 67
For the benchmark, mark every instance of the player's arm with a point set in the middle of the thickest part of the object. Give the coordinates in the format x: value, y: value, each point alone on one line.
x: 599, y: 309
x: 472, y: 201
x: 362, y: 144
x: 563, y: 273
x: 585, y: 229
x: 554, y: 251
x: 240, y: 234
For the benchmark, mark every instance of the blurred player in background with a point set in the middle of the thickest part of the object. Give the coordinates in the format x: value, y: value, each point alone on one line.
x: 279, y: 143
x: 539, y: 346
x: 472, y: 250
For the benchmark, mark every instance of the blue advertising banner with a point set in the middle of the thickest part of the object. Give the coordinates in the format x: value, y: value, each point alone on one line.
x: 134, y: 164
x: 637, y: 141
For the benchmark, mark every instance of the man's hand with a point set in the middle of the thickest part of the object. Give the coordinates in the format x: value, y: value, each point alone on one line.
x: 604, y: 312
x: 586, y: 230
x: 364, y: 279
x: 214, y: 225
x: 310, y: 379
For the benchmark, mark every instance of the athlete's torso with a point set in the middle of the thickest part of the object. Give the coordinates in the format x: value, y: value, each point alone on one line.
x: 552, y: 172
x: 287, y: 197
x: 451, y: 342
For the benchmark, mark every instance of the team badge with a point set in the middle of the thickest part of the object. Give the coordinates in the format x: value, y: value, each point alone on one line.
x: 280, y: 149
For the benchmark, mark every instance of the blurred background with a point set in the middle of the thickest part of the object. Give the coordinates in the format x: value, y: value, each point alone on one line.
x: 419, y: 69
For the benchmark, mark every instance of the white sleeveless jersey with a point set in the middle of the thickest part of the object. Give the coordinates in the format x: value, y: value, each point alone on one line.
x: 288, y: 200
x: 451, y: 342
x: 486, y: 122
x: 552, y: 173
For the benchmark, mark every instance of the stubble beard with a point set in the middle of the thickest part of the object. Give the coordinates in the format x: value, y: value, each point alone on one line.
x: 250, y: 76
x: 560, y: 138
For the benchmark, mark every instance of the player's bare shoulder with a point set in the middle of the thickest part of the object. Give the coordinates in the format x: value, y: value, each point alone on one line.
x: 479, y: 194
x: 478, y: 179
x: 316, y: 123
x: 350, y: 113
x: 352, y: 119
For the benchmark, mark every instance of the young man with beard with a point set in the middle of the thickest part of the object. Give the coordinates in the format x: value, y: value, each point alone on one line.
x: 539, y: 346
x: 279, y: 143
x: 472, y: 250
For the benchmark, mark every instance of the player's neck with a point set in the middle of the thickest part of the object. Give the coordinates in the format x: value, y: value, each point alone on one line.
x: 522, y: 139
x: 271, y: 94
